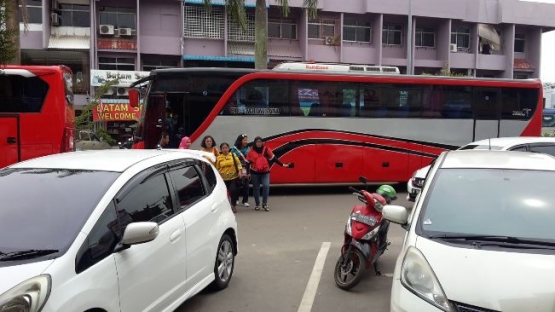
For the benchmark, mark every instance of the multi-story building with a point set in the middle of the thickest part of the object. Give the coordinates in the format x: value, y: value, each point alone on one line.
x: 138, y: 36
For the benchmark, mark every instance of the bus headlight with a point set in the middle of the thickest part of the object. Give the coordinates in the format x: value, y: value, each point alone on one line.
x: 29, y: 296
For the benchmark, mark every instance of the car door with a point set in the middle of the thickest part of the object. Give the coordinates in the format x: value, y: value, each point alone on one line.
x: 200, y: 214
x: 151, y: 275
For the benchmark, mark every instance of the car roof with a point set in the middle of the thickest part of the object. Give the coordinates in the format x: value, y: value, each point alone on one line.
x: 485, y: 159
x: 508, y: 142
x: 116, y: 160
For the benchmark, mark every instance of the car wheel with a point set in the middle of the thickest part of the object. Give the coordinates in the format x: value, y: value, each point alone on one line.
x: 224, y: 264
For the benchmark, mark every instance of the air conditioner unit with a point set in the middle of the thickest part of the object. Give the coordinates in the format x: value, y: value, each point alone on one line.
x: 110, y: 92
x: 122, y: 91
x: 54, y: 19
x: 328, y: 40
x: 125, y: 31
x: 453, y: 47
x: 106, y: 29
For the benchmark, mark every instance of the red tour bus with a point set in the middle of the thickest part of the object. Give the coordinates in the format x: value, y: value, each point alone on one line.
x: 37, y: 116
x: 336, y: 126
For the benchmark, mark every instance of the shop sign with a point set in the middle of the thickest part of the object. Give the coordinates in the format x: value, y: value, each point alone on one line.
x: 116, y: 112
x: 125, y: 78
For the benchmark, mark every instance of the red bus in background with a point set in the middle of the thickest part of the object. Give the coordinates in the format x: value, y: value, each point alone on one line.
x: 336, y: 126
x: 37, y: 116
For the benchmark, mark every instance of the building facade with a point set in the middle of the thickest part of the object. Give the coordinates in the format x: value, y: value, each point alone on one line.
x: 138, y: 36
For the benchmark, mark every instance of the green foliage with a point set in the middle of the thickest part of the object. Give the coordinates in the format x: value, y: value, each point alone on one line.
x: 548, y: 134
x: 85, y: 121
x: 8, y: 49
x: 445, y: 71
x: 102, y: 134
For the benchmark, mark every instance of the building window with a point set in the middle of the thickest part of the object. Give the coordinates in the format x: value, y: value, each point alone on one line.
x: 34, y: 12
x: 357, y: 31
x: 118, y: 17
x: 425, y: 37
x: 282, y: 30
x: 520, y: 43
x: 236, y: 33
x: 320, y: 29
x: 116, y: 63
x: 75, y: 15
x: 521, y: 76
x: 150, y: 65
x: 461, y: 37
x: 200, y: 23
x: 392, y: 34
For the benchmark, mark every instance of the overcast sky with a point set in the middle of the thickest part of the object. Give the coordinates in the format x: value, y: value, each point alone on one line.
x: 548, y: 51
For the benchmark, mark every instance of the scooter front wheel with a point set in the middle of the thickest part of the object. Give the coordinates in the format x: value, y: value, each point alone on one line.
x: 348, y: 271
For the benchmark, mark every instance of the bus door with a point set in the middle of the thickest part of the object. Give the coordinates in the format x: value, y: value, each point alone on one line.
x: 178, y: 103
x: 155, y: 120
x: 486, y: 112
x: 10, y: 149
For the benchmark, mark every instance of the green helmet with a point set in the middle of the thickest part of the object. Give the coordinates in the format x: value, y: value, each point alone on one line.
x: 388, y: 192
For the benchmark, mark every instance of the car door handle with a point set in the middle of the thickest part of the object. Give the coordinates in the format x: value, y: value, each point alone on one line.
x: 11, y: 140
x: 175, y: 236
x: 214, y: 207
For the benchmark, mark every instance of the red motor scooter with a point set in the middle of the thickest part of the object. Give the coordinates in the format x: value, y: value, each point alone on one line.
x: 362, y: 246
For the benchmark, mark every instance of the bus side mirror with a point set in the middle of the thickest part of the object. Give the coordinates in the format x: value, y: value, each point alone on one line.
x: 133, y: 97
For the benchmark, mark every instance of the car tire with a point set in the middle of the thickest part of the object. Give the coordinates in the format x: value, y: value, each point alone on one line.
x: 224, y: 263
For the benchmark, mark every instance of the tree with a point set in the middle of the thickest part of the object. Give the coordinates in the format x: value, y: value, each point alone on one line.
x: 236, y: 8
x: 85, y: 120
x: 445, y: 71
x: 10, y: 51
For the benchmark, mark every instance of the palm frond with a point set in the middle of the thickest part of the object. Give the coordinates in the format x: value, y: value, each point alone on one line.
x: 312, y: 7
x: 236, y: 9
x: 284, y: 6
x: 208, y: 5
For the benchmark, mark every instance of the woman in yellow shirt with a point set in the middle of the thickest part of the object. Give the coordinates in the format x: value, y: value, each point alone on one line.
x: 229, y: 167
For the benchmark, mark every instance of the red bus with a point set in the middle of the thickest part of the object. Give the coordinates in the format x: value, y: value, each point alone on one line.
x: 37, y: 116
x: 338, y: 126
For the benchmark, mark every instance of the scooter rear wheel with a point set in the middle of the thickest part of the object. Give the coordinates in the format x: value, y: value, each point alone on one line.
x: 354, y: 268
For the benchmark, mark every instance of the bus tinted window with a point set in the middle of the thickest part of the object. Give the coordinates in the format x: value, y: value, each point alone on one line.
x: 260, y: 97
x: 452, y: 101
x: 391, y: 100
x: 518, y: 104
x: 22, y: 95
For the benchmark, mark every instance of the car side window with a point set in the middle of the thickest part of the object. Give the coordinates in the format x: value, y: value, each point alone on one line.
x: 545, y: 149
x: 188, y: 184
x: 148, y: 201
x: 101, y: 240
x: 209, y: 174
x: 520, y: 148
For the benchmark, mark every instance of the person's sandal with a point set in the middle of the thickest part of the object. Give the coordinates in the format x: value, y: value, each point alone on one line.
x: 257, y: 208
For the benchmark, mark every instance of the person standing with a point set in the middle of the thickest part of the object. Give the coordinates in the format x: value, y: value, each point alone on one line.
x: 209, y: 145
x: 260, y: 158
x: 185, y: 143
x: 229, y: 167
x: 241, y: 150
x: 164, y: 140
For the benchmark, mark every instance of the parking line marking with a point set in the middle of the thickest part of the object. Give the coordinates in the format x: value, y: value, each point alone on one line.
x: 314, y: 280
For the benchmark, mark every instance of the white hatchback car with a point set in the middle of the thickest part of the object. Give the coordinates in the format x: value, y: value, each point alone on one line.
x: 544, y: 145
x: 113, y: 230
x: 480, y: 236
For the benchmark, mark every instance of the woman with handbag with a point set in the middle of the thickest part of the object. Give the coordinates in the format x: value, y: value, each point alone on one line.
x: 229, y: 167
x: 241, y: 149
x: 261, y: 159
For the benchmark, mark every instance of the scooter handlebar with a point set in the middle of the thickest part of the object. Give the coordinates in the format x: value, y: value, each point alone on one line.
x: 354, y: 190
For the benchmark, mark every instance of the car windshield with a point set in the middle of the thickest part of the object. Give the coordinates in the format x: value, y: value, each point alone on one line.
x: 481, y: 147
x: 516, y: 203
x: 44, y: 209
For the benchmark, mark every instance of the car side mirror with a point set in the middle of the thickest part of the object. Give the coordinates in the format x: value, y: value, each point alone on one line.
x: 396, y: 214
x: 138, y: 233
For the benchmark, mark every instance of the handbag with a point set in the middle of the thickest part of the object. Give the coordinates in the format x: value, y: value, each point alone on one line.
x: 238, y: 181
x: 244, y: 169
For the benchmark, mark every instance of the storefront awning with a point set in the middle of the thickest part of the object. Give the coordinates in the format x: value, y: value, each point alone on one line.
x: 230, y: 58
x: 69, y: 43
x: 274, y: 51
x: 489, y: 34
x: 248, y: 4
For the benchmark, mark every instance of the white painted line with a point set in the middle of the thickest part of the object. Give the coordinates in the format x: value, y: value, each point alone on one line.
x: 314, y: 280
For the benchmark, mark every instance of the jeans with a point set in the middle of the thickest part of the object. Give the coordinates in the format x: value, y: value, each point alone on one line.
x: 264, y: 179
x: 233, y: 189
